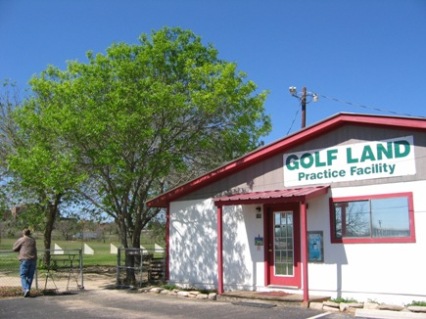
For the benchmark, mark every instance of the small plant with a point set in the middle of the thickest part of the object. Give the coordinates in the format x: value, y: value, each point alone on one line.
x: 343, y: 300
x: 169, y: 287
x: 417, y: 303
x: 372, y: 301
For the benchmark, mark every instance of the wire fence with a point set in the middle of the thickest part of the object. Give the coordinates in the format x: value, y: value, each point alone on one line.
x: 137, y: 267
x: 63, y: 270
x: 60, y: 270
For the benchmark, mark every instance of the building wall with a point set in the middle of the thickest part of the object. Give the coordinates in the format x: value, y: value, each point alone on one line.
x: 391, y: 272
x: 243, y: 262
x: 193, y: 246
x: 193, y: 243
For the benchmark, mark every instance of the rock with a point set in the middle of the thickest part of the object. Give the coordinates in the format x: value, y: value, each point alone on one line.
x: 156, y: 290
x: 331, y: 304
x: 350, y: 306
x: 143, y: 290
x: 371, y: 305
x: 212, y: 296
x: 343, y: 306
x: 202, y: 296
x: 183, y: 294
x: 391, y: 307
x: 193, y: 294
x: 416, y: 308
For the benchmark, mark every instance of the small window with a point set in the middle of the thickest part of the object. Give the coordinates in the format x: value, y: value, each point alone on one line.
x: 383, y: 218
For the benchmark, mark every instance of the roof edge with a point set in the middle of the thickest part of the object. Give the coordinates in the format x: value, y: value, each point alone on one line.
x: 289, y: 141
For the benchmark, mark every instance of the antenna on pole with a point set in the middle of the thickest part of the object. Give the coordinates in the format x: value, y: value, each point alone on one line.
x: 303, y: 97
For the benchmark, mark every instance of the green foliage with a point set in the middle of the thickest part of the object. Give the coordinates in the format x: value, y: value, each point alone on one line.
x: 134, y: 122
x: 417, y: 303
x: 169, y: 287
x: 344, y: 300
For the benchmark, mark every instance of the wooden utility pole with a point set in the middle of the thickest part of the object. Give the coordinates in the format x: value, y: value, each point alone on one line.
x: 302, y: 96
x: 303, y: 102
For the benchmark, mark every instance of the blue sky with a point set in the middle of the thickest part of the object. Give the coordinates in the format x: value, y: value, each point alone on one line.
x: 370, y: 55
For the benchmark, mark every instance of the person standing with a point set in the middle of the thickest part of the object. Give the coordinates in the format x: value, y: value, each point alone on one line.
x: 27, y: 255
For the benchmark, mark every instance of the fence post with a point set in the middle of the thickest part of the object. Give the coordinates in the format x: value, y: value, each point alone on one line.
x: 36, y: 275
x: 140, y: 268
x: 80, y: 253
x: 118, y: 265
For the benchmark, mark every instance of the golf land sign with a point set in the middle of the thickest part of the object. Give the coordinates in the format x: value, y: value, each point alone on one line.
x: 365, y: 160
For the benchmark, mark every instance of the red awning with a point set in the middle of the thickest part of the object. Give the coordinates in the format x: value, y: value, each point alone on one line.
x: 286, y: 195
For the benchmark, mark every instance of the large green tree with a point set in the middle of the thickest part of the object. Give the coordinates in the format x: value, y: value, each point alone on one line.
x: 141, y: 118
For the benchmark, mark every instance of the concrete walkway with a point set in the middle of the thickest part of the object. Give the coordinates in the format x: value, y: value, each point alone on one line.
x: 271, y: 296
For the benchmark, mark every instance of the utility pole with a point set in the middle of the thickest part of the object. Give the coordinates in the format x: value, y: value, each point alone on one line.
x: 303, y: 102
x: 303, y: 97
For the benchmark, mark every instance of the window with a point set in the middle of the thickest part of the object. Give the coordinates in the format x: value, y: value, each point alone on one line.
x: 381, y: 218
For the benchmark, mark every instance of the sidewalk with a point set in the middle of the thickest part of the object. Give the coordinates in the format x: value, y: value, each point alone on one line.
x: 281, y: 298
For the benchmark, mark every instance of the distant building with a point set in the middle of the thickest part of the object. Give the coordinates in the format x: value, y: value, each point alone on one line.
x: 86, y: 235
x: 337, y: 209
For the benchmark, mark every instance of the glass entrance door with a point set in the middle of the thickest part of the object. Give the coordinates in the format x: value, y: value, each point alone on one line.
x: 283, y: 243
x: 284, y: 246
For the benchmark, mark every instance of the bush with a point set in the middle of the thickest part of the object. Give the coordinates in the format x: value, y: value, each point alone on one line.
x: 343, y: 300
x: 417, y: 303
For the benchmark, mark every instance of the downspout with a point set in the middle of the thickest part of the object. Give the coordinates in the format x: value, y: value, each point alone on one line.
x: 304, y: 247
x: 267, y: 246
x: 219, y: 251
x: 167, y: 257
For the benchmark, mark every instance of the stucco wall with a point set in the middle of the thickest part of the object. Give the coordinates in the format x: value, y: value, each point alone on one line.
x: 392, y: 272
x: 243, y: 261
x: 193, y: 245
x: 382, y: 272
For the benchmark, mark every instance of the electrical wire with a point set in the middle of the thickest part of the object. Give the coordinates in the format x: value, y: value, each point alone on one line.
x: 292, y: 123
x: 367, y: 107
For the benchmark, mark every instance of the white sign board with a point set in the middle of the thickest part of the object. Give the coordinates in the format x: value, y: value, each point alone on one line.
x: 58, y: 250
x: 158, y: 248
x: 87, y: 250
x: 343, y: 163
x: 113, y: 249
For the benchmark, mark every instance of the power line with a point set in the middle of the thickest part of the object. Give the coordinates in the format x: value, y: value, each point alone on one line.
x: 292, y: 123
x: 304, y: 94
x: 367, y: 107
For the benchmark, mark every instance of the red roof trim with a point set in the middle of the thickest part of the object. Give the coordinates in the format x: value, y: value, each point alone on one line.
x: 275, y: 196
x: 283, y: 144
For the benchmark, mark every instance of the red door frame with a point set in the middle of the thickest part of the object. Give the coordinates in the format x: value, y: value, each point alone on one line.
x: 294, y: 281
x: 303, y: 241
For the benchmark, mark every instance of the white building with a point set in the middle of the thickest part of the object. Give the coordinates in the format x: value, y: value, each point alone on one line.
x: 336, y: 209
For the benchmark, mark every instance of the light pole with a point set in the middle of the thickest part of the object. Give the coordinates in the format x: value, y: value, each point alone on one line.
x: 303, y: 97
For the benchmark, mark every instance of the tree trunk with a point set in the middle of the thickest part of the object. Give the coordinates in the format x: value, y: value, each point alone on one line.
x: 51, y: 210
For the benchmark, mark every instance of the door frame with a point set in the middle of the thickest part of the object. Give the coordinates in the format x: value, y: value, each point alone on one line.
x: 294, y: 281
